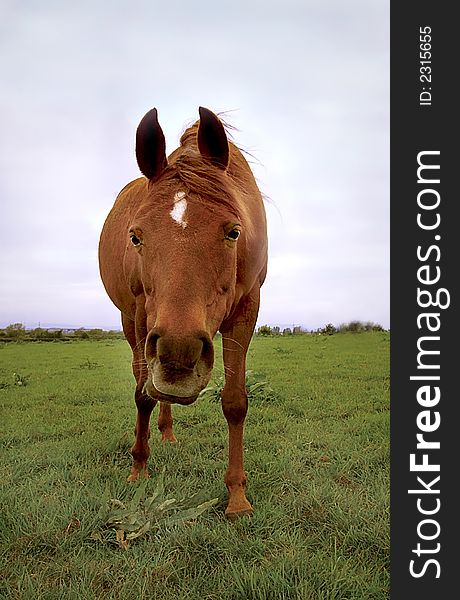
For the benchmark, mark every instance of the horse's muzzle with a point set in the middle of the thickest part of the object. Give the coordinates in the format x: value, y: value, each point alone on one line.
x: 154, y: 393
x: 180, y: 366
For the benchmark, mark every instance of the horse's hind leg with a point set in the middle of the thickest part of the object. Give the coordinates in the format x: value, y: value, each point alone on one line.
x: 140, y: 451
x: 165, y: 423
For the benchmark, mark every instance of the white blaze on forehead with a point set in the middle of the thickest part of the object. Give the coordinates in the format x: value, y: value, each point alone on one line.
x: 179, y: 208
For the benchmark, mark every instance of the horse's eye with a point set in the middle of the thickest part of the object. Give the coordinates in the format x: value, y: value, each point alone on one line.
x: 135, y: 240
x: 233, y: 235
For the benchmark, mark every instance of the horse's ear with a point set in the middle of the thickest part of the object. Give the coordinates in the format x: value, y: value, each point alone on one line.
x: 151, y: 146
x: 212, y: 139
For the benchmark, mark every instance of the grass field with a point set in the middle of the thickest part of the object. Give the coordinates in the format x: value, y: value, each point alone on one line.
x: 316, y: 454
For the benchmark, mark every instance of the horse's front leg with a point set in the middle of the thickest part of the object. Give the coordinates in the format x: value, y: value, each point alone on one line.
x: 141, y: 449
x: 235, y: 340
x: 234, y: 406
x: 136, y: 333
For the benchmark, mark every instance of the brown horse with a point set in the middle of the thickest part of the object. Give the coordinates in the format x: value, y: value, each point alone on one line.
x: 183, y: 254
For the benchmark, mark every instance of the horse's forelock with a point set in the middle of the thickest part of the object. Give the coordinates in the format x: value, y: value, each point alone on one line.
x: 210, y: 185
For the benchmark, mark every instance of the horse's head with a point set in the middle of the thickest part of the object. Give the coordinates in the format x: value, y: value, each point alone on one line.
x: 182, y: 243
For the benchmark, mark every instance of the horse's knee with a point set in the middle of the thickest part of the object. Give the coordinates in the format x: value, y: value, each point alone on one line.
x: 145, y: 404
x: 234, y: 405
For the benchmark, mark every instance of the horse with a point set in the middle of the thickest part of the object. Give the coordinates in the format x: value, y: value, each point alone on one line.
x: 183, y: 255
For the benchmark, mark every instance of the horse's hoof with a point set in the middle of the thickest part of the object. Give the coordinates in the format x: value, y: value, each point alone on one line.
x: 234, y: 513
x: 168, y: 437
x: 136, y: 473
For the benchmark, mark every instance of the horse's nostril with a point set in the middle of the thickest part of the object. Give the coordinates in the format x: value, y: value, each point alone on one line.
x: 207, y: 352
x: 179, y: 353
x: 151, y: 345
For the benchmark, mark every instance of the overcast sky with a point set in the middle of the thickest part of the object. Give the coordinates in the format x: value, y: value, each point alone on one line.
x: 307, y: 84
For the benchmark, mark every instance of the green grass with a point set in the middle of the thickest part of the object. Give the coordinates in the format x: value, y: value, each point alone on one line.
x: 316, y: 454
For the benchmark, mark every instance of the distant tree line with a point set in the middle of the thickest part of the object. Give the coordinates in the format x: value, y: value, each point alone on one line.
x: 329, y: 329
x: 16, y: 332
